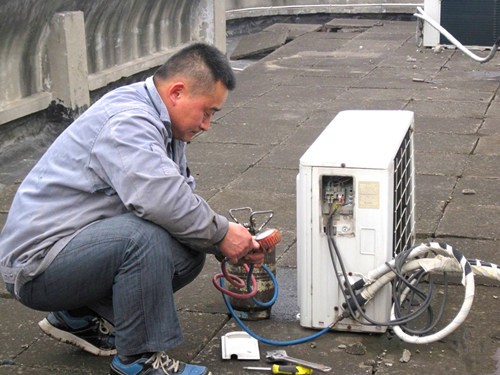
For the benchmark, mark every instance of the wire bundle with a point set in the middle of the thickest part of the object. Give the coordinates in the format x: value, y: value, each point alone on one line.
x: 408, y: 272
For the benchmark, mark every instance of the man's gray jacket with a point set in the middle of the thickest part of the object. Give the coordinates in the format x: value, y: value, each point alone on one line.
x: 119, y: 156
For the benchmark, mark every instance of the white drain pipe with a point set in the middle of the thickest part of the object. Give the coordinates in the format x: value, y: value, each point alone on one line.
x: 420, y: 14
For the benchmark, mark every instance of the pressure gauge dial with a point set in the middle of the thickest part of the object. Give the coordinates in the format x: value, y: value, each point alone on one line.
x: 268, y: 238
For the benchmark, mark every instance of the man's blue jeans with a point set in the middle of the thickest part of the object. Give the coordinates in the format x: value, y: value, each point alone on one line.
x: 126, y: 269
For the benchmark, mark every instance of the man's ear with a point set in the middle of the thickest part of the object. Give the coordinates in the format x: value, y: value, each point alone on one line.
x: 175, y: 92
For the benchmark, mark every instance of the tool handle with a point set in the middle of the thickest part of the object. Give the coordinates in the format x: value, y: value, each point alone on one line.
x: 302, y: 363
x: 291, y: 370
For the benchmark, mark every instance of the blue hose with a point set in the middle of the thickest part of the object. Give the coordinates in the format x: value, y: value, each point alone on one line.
x: 266, y: 304
x: 273, y: 280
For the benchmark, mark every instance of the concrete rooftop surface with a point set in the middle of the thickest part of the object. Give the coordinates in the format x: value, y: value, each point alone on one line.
x: 250, y: 157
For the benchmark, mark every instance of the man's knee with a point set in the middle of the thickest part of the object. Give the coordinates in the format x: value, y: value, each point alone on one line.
x: 145, y: 242
x: 159, y: 246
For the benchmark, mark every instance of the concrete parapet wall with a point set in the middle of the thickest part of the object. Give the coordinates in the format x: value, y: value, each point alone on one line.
x: 258, y: 8
x: 60, y: 50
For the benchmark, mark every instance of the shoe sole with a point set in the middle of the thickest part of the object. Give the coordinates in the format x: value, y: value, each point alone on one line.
x: 69, y: 338
x: 118, y: 372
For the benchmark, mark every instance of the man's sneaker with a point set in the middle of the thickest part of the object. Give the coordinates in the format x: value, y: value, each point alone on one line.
x: 89, y: 333
x: 157, y: 364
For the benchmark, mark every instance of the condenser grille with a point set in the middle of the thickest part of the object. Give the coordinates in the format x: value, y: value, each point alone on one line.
x: 403, y: 235
x: 473, y: 23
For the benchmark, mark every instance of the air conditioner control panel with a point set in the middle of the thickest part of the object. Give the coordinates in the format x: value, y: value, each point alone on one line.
x: 337, y: 195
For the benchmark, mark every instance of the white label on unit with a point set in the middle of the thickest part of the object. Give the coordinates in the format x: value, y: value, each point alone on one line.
x: 369, y: 193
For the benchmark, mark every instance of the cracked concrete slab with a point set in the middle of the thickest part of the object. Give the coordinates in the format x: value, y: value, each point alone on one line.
x: 469, y: 80
x: 483, y: 166
x: 470, y: 221
x: 478, y: 191
x: 489, y: 145
x: 453, y: 109
x: 426, y: 123
x: 491, y: 126
x: 440, y: 164
x: 445, y: 143
x: 24, y: 321
x: 390, y: 78
x: 294, y: 30
x: 259, y: 43
x: 432, y: 194
x: 473, y: 210
x: 352, y: 23
x: 267, y: 180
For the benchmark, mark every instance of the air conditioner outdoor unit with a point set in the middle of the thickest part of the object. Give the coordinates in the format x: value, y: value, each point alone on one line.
x: 362, y: 164
x: 473, y: 23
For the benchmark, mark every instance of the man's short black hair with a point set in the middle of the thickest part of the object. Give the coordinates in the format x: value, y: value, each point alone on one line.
x: 204, y: 63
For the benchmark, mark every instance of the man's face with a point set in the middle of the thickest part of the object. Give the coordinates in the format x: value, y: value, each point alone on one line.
x: 192, y: 113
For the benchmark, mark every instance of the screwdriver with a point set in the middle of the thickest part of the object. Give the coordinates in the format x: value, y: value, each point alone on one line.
x: 284, y: 369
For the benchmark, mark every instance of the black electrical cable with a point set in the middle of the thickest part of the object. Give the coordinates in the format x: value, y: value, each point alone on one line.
x: 400, y: 284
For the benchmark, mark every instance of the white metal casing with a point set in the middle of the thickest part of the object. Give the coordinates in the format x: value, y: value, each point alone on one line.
x: 431, y: 37
x: 363, y: 145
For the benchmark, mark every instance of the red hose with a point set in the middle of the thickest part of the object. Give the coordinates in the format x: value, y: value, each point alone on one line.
x: 235, y: 281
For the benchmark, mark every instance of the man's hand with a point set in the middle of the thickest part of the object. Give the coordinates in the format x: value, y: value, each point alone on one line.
x: 240, y: 244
